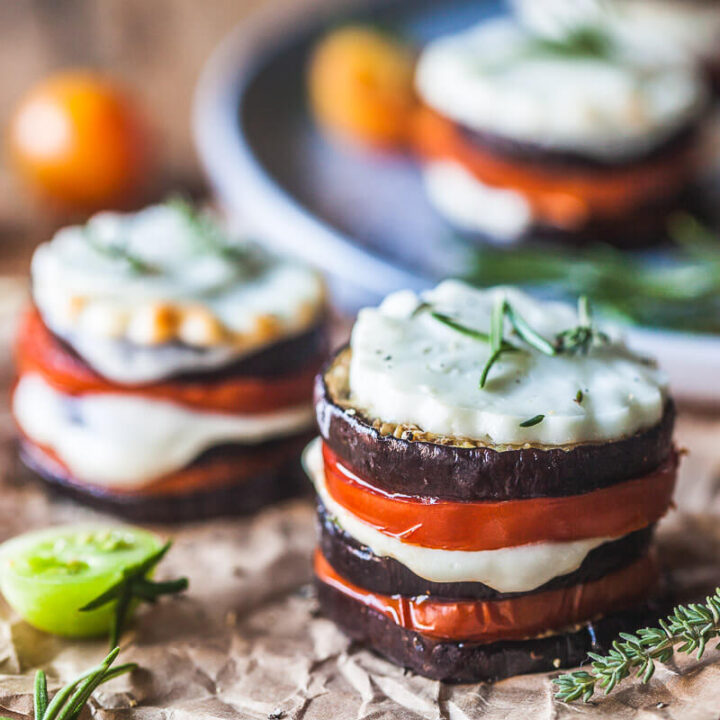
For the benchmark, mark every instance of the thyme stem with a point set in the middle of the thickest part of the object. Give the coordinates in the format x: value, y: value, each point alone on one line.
x: 690, y: 626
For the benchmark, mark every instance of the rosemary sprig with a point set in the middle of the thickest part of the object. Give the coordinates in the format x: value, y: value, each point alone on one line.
x: 582, y: 337
x: 69, y: 702
x: 470, y: 332
x: 530, y: 336
x: 134, y: 585
x: 691, y: 627
x: 497, y: 323
x: 681, y: 292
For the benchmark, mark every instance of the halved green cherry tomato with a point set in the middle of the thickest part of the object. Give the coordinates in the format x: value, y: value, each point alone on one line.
x: 48, y: 575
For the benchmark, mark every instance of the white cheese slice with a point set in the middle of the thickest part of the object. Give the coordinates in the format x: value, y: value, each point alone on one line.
x: 485, y: 78
x: 515, y: 569
x: 127, y: 441
x: 179, y: 287
x: 408, y: 367
x: 468, y: 204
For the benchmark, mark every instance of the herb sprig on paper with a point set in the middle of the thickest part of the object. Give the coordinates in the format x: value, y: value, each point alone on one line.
x: 134, y: 585
x: 689, y: 626
x: 69, y: 702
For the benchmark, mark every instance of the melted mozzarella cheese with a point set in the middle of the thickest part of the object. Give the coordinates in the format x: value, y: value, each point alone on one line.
x: 178, y: 287
x: 692, y: 28
x: 488, y: 79
x: 515, y: 569
x: 408, y: 367
x: 128, y: 441
x: 470, y: 205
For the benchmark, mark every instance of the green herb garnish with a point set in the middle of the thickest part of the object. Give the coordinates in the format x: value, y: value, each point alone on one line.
x: 586, y: 41
x: 581, y: 338
x: 578, y: 339
x: 69, y: 702
x: 497, y: 343
x: 691, y: 627
x: 680, y: 293
x: 532, y: 421
x: 134, y: 585
x: 116, y: 252
x: 210, y: 237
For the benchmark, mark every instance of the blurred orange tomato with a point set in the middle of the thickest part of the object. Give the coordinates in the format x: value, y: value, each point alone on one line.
x: 360, y: 82
x: 77, y: 139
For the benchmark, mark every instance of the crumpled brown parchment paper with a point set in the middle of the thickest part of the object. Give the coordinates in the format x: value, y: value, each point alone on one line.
x: 246, y: 640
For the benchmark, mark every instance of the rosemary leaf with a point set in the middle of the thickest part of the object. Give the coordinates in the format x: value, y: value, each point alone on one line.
x: 497, y: 322
x: 530, y: 336
x: 470, y: 332
x: 532, y: 421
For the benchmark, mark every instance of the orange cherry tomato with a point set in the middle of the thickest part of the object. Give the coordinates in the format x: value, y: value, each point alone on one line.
x: 489, y: 525
x: 360, y: 82
x: 77, y: 139
x: 38, y: 351
x: 562, y: 197
x: 520, y: 617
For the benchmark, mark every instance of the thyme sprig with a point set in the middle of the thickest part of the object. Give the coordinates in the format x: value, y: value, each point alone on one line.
x: 69, y: 702
x: 134, y: 585
x: 582, y: 337
x: 690, y: 626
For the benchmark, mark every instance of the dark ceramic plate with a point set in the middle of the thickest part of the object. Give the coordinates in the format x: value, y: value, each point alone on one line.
x: 360, y: 216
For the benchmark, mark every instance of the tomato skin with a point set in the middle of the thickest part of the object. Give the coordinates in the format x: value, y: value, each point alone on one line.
x: 490, y: 525
x: 561, y: 197
x: 50, y: 600
x: 78, y: 139
x: 37, y: 350
x: 518, y: 618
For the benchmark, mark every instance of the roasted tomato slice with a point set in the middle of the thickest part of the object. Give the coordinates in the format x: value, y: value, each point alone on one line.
x: 563, y: 198
x: 609, y: 512
x: 513, y: 618
x: 38, y: 351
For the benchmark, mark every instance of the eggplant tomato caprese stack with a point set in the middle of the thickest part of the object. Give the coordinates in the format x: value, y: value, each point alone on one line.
x: 579, y: 139
x: 165, y: 369
x: 691, y: 29
x: 489, y: 474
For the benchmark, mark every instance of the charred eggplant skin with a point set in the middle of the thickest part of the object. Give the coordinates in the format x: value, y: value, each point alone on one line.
x: 284, y: 356
x: 446, y: 472
x: 683, y: 139
x: 464, y: 662
x: 387, y: 576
